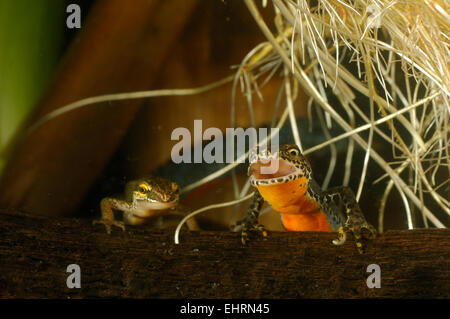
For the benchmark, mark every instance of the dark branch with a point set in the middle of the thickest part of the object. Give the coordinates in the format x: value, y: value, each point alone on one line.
x: 141, y: 262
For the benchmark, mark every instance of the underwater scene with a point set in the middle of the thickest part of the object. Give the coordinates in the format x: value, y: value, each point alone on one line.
x: 224, y: 149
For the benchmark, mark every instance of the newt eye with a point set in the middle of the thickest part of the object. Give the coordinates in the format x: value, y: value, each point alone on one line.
x: 293, y: 151
x: 142, y: 189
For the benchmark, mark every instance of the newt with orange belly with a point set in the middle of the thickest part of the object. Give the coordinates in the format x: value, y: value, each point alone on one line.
x: 303, y: 205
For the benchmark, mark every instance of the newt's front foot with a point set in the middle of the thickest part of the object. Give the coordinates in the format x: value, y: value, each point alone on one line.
x: 250, y: 221
x: 355, y: 225
x: 109, y: 223
x: 248, y: 225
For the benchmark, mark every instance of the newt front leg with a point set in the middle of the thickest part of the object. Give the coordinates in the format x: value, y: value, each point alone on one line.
x: 250, y: 220
x: 355, y: 222
x: 106, y: 206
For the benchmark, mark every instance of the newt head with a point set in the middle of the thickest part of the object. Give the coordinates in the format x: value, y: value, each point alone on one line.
x: 291, y: 165
x: 153, y: 193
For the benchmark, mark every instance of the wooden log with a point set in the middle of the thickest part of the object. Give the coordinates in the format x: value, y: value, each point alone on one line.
x: 141, y: 262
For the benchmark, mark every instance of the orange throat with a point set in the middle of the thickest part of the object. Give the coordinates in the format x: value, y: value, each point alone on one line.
x: 314, y: 221
x: 299, y: 211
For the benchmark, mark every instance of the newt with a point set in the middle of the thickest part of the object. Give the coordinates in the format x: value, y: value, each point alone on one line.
x: 304, y: 206
x: 145, y: 198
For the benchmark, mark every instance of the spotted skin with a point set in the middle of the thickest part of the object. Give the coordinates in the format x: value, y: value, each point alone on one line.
x: 303, y: 204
